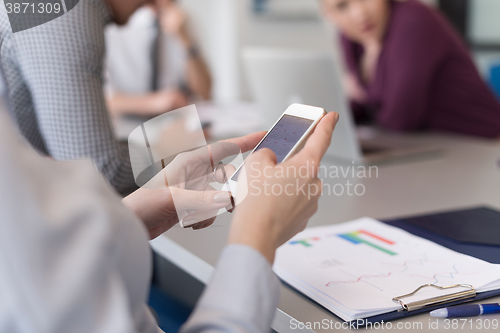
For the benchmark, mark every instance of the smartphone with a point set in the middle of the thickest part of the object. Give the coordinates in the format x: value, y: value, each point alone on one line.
x: 287, y: 136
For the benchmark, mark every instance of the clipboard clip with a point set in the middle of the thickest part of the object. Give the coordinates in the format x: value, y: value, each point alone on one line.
x: 461, y: 295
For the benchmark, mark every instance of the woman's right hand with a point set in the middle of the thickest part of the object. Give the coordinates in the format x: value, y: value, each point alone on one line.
x: 281, y: 197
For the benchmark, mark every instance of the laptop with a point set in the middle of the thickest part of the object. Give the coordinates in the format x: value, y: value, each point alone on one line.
x: 280, y: 77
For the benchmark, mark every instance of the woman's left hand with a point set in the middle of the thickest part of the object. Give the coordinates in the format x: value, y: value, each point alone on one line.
x: 180, y: 189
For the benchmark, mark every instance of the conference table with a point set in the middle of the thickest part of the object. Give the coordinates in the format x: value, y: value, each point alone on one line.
x: 462, y: 172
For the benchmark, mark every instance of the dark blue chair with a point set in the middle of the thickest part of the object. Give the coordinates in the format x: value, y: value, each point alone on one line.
x: 171, y: 314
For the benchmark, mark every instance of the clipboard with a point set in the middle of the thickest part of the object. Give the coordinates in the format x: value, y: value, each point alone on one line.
x: 401, y: 313
x: 488, y: 253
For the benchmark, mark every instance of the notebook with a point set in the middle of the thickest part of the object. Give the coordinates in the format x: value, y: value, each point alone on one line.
x: 355, y: 269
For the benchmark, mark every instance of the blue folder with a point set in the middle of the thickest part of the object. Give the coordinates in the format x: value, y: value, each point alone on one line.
x: 475, y: 232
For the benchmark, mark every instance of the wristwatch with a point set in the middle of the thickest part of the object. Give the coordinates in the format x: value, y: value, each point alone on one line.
x: 193, y: 52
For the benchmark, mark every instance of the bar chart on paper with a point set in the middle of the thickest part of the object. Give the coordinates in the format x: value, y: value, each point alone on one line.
x: 354, y: 237
x: 354, y: 269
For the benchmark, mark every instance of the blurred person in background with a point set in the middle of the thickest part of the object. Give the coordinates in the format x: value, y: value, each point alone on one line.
x: 153, y: 64
x: 407, y: 69
x: 54, y: 75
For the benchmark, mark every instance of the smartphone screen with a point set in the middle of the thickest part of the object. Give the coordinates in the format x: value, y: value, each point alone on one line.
x: 283, y: 137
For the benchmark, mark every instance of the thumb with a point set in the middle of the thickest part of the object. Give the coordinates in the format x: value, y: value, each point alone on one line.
x: 259, y: 160
x: 265, y: 156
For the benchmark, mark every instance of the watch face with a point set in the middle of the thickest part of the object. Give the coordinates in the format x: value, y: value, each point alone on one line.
x: 26, y: 14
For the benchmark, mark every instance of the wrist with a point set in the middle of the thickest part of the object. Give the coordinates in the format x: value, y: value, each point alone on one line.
x: 193, y: 52
x: 254, y: 234
x: 266, y: 250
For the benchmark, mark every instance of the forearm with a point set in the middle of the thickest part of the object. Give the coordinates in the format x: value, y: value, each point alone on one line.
x: 198, y: 76
x: 400, y: 114
x: 120, y: 103
x: 406, y: 98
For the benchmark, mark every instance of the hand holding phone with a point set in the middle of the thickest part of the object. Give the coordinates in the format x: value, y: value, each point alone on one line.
x: 287, y: 136
x: 265, y: 219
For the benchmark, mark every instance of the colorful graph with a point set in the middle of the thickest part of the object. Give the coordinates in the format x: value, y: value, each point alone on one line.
x: 354, y: 238
x: 306, y: 242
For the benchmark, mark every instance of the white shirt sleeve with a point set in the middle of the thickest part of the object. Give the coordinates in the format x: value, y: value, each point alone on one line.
x: 242, y: 296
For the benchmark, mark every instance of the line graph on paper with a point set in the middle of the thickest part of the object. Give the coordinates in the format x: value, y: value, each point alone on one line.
x: 448, y: 275
x: 363, y: 278
x: 376, y: 280
x: 409, y: 263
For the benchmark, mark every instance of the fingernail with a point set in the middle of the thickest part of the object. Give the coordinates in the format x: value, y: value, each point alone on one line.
x: 337, y: 116
x: 222, y: 197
